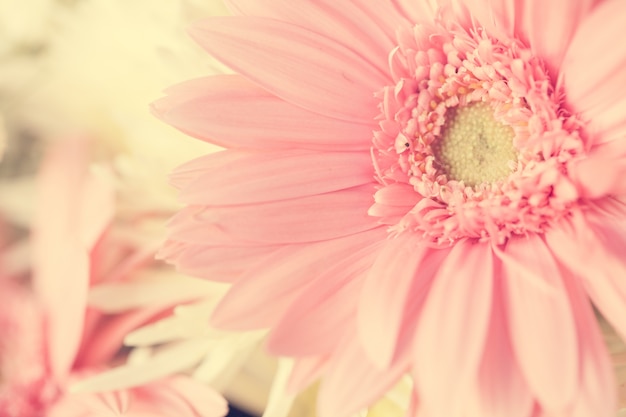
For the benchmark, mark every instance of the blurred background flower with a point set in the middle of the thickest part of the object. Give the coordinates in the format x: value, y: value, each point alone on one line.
x: 89, y: 69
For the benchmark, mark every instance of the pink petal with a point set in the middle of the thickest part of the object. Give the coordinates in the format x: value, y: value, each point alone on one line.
x: 97, y: 209
x: 173, y: 358
x: 592, y: 75
x: 282, y: 58
x: 607, y: 123
x: 116, y: 401
x: 261, y: 296
x: 392, y: 202
x: 183, y: 396
x: 305, y: 371
x: 456, y: 313
x: 352, y: 382
x: 501, y: 388
x: 312, y: 325
x: 186, y: 173
x: 319, y: 317
x: 178, y: 396
x: 602, y: 172
x: 597, y: 384
x: 22, y: 339
x: 81, y: 405
x: 258, y: 178
x: 592, y: 247
x: 549, y: 27
x: 394, y: 291
x: 61, y: 262
x: 416, y: 12
x: 233, y: 112
x: 108, y: 338
x: 364, y: 27
x: 218, y: 263
x: 540, y: 319
x: 306, y: 219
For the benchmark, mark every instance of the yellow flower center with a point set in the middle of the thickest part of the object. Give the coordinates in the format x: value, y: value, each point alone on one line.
x: 474, y: 147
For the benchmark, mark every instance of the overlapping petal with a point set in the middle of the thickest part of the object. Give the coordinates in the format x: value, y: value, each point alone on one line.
x: 251, y: 178
x: 541, y: 322
x: 339, y: 83
x: 213, y: 109
x: 364, y: 27
x: 395, y: 288
x: 594, y: 80
x: 456, y: 313
x: 299, y: 220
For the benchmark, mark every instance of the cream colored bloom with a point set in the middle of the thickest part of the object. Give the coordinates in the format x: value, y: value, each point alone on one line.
x: 109, y: 60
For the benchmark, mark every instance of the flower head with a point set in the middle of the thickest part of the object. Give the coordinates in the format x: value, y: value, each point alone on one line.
x: 427, y: 187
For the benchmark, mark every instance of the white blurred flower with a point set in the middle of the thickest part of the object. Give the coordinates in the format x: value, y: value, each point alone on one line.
x: 24, y: 23
x: 108, y: 60
x: 25, y: 30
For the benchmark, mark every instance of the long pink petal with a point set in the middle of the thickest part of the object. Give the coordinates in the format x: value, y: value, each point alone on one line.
x: 108, y: 338
x: 394, y: 290
x: 97, y: 208
x: 312, y: 324
x: 541, y: 324
x: 550, y: 26
x: 602, y: 172
x: 177, y: 396
x: 501, y: 388
x: 607, y: 123
x: 261, y: 296
x: 456, y: 313
x: 61, y: 262
x: 592, y: 247
x: 593, y: 76
x: 22, y: 340
x: 597, y: 394
x: 184, y: 174
x: 364, y: 27
x: 416, y: 12
x: 298, y: 220
x: 230, y: 111
x: 217, y: 263
x: 319, y: 317
x: 180, y: 396
x: 352, y: 382
x: 258, y: 178
x: 282, y: 58
x: 305, y: 371
x: 83, y: 405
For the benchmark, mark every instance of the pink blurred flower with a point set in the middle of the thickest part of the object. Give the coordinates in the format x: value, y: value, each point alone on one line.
x: 425, y: 187
x: 49, y: 336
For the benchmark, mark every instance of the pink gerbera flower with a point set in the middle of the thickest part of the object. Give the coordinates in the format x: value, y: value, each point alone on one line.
x: 414, y: 186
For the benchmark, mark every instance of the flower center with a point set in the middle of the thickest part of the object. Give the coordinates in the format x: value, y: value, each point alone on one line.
x: 474, y: 147
x: 473, y: 142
